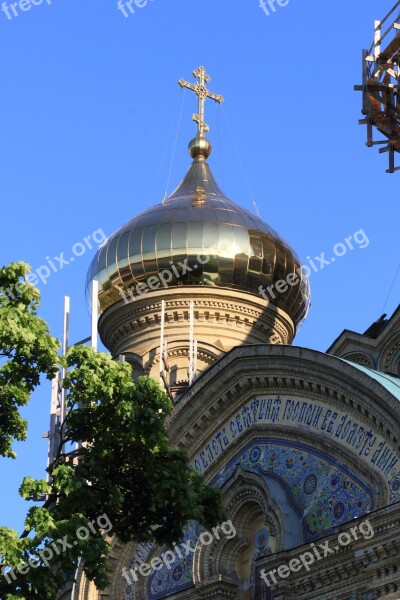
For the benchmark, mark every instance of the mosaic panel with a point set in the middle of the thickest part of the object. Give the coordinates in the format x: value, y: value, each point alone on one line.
x: 323, y: 493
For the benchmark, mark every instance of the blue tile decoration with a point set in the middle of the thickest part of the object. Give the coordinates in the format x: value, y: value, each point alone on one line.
x: 316, y: 485
x: 179, y: 577
x: 323, y: 492
x: 394, y: 487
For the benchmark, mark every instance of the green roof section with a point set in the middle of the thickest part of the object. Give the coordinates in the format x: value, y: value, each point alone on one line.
x: 389, y: 382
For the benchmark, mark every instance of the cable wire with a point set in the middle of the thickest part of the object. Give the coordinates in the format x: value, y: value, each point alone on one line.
x: 391, y: 288
x: 175, y: 143
x: 240, y: 161
x: 167, y: 142
x: 220, y: 146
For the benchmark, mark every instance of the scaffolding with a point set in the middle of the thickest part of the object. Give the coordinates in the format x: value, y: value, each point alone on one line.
x: 380, y: 86
x: 58, y: 407
x: 165, y: 370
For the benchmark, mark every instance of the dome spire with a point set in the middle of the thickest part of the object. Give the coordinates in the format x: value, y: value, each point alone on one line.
x: 200, y: 147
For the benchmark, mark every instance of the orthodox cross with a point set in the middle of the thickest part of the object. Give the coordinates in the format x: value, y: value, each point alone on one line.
x: 202, y: 93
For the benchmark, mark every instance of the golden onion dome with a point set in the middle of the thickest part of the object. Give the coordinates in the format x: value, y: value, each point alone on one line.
x: 198, y: 237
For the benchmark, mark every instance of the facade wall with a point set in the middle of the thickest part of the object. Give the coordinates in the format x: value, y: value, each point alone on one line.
x: 367, y: 568
x: 301, y: 444
x: 378, y: 349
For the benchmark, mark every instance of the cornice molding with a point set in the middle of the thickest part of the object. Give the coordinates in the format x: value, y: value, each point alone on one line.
x: 122, y: 325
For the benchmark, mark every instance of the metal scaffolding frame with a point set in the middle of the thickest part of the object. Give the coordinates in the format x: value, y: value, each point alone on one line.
x: 164, y: 367
x: 58, y: 409
x: 380, y: 86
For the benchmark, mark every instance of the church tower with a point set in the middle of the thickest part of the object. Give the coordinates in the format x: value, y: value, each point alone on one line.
x: 196, y: 251
x: 304, y: 445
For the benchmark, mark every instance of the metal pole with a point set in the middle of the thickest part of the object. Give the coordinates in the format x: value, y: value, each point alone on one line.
x: 377, y: 39
x: 95, y: 312
x: 53, y: 434
x: 64, y: 351
x: 191, y: 346
x: 162, y: 339
x: 195, y: 359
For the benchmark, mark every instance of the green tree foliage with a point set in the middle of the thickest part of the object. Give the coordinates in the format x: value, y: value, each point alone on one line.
x: 26, y: 351
x: 115, y: 466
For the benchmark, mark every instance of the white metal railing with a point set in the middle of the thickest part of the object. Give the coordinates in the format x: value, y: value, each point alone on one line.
x: 379, y: 37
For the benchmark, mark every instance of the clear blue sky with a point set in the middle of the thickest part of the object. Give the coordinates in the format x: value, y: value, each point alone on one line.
x: 89, y: 112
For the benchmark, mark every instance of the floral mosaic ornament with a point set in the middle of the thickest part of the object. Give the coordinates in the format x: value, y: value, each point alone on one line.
x: 323, y: 493
x: 317, y: 487
x: 180, y: 574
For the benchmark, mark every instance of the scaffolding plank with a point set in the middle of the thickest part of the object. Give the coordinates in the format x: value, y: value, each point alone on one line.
x: 392, y: 49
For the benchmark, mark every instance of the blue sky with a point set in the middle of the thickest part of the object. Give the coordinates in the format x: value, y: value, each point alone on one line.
x: 89, y: 114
